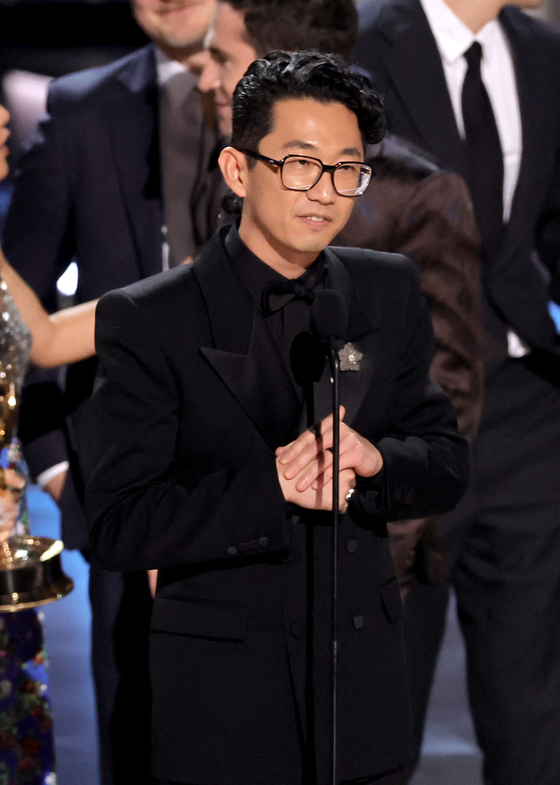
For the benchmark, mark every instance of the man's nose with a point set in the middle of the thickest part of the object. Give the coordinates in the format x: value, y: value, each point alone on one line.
x: 323, y: 191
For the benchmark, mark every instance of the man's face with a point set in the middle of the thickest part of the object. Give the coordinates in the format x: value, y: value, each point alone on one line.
x: 175, y: 25
x: 298, y: 225
x: 4, y: 133
x: 230, y: 56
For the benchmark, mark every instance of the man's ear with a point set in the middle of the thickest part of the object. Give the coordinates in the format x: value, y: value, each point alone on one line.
x: 234, y: 170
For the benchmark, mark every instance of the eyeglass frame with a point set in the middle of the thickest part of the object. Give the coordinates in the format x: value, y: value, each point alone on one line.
x: 324, y: 168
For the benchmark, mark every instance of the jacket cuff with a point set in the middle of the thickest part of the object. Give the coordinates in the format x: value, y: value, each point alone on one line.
x: 45, y: 452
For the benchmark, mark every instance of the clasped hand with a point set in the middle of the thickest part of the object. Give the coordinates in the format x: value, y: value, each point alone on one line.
x: 305, y: 467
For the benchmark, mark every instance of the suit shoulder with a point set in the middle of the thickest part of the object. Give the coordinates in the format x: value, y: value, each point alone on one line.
x: 372, y: 12
x: 399, y: 155
x: 536, y: 31
x: 163, y: 292
x: 82, y: 87
x: 363, y: 263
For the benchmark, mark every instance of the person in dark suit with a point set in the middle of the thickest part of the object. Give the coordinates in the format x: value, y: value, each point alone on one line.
x: 195, y: 466
x: 478, y: 86
x: 412, y: 207
x: 116, y: 182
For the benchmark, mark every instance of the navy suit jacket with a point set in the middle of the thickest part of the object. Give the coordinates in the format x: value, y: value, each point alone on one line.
x: 89, y: 189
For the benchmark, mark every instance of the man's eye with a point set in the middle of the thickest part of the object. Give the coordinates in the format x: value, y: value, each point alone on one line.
x: 218, y: 57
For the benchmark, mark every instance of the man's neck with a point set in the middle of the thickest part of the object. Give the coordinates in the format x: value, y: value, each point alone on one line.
x: 476, y: 13
x: 287, y: 262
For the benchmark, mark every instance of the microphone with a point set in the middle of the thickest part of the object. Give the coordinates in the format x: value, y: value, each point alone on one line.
x: 329, y: 317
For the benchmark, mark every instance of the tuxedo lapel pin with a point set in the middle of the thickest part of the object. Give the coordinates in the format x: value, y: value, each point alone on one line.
x: 349, y: 358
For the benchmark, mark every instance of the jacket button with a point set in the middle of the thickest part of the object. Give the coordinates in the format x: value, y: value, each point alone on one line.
x: 298, y: 629
x: 264, y: 541
x: 232, y: 550
x: 352, y: 546
x: 359, y: 622
x: 253, y: 545
x: 243, y: 547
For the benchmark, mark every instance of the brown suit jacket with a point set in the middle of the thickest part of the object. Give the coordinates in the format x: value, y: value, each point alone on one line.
x: 415, y: 208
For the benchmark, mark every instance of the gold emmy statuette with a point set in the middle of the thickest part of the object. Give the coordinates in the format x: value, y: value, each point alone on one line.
x: 30, y: 568
x: 31, y: 573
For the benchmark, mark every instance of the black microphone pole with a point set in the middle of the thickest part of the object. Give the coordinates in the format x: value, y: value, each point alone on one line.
x: 329, y: 316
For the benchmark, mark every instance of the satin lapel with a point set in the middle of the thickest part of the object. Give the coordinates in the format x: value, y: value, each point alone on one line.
x: 414, y: 65
x: 530, y: 64
x: 244, y: 354
x: 131, y: 116
x: 360, y: 331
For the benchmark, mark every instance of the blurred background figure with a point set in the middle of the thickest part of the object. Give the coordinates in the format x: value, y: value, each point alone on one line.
x: 478, y: 86
x: 116, y: 181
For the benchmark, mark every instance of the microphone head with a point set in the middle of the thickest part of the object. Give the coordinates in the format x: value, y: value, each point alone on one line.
x: 329, y: 315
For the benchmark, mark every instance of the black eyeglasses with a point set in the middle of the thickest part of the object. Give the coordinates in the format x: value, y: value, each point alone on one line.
x: 301, y: 173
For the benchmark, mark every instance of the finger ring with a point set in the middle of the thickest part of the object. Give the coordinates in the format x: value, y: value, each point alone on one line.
x: 349, y: 494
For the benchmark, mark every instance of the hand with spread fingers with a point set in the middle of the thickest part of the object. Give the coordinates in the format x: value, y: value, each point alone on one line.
x: 305, y: 466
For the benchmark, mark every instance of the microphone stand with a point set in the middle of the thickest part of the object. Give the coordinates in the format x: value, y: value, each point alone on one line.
x: 334, y: 364
x: 329, y: 319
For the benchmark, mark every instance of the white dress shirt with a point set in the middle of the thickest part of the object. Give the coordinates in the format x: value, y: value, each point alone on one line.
x: 453, y: 39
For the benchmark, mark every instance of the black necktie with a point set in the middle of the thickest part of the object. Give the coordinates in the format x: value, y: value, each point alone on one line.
x: 279, y: 293
x: 485, y: 164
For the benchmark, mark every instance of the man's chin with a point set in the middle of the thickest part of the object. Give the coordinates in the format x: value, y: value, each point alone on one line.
x: 224, y: 114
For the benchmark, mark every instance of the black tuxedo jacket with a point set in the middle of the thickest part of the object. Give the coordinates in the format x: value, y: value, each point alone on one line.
x: 397, y: 46
x: 89, y: 190
x: 192, y: 398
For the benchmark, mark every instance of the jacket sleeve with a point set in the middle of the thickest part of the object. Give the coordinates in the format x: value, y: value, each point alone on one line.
x: 140, y: 515
x: 547, y: 236
x: 426, y: 461
x: 439, y: 233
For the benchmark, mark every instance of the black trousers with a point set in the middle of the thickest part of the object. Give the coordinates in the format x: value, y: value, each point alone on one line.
x: 503, y: 541
x: 121, y: 608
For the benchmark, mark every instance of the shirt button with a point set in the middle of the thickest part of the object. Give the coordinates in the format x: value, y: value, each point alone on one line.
x: 352, y: 546
x: 297, y: 629
x: 232, y: 550
x: 359, y: 622
x: 264, y: 541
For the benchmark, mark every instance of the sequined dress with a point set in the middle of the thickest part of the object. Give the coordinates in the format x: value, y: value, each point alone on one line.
x: 26, y: 734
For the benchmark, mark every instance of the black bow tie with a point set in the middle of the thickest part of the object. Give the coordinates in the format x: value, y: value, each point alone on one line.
x: 277, y: 294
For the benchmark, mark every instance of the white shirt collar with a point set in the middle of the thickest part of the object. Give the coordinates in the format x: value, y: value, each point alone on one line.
x: 453, y: 37
x: 166, y: 67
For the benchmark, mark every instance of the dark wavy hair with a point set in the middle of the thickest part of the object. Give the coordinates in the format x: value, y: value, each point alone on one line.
x: 292, y: 25
x: 308, y: 74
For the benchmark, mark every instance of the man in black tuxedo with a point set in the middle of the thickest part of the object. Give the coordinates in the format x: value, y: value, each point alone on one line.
x: 195, y: 466
x: 478, y: 85
x: 116, y: 180
x: 415, y: 208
